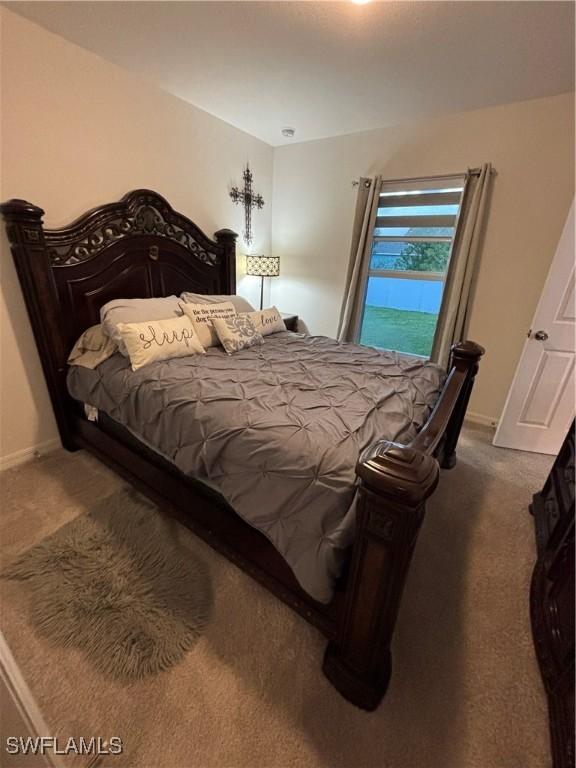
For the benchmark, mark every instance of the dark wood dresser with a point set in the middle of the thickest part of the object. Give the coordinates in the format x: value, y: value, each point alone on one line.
x: 552, y: 599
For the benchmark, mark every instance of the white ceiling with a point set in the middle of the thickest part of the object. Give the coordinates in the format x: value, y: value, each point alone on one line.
x: 328, y: 68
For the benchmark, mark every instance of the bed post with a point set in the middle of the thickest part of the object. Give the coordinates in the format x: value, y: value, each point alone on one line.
x: 466, y: 359
x: 27, y: 242
x: 396, y: 480
x: 227, y: 238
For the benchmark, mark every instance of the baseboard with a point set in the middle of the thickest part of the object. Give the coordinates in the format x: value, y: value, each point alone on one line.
x: 26, y: 454
x: 480, y: 418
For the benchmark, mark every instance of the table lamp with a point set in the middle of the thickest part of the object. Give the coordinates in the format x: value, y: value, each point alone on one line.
x: 263, y: 266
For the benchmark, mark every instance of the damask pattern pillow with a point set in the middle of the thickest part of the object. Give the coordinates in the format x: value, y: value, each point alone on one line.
x: 202, y: 316
x: 236, y: 333
x: 267, y: 321
x: 159, y: 340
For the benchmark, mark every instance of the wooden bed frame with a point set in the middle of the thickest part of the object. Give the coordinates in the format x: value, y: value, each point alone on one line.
x: 141, y: 247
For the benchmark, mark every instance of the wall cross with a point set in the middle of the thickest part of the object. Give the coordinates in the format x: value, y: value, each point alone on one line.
x: 249, y: 200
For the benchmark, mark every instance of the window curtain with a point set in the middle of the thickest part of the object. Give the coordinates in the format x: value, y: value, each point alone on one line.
x: 453, y: 316
x: 355, y: 288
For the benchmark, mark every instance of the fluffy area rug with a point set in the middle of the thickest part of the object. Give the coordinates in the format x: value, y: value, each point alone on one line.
x: 116, y: 584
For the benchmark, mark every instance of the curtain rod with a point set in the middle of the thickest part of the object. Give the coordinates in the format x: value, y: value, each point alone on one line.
x: 469, y: 172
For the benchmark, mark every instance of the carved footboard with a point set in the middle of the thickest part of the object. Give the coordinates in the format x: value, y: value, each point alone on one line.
x: 395, y: 482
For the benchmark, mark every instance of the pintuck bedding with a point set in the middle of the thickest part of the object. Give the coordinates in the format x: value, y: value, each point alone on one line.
x: 276, y: 428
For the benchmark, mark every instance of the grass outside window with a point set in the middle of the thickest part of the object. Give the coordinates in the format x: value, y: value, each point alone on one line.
x: 398, y: 329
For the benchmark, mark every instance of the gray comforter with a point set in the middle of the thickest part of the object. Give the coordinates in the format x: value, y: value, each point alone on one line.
x: 277, y: 429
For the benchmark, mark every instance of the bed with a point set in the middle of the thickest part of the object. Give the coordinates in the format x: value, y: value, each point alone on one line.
x: 336, y: 543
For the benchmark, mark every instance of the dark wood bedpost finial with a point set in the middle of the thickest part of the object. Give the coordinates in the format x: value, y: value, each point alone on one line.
x: 21, y: 210
x: 396, y: 481
x: 225, y: 235
x: 227, y: 238
x: 23, y: 225
x: 466, y: 359
x: 467, y: 351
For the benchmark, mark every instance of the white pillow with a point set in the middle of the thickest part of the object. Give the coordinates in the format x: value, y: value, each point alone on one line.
x: 237, y: 332
x: 267, y: 321
x: 136, y: 311
x: 240, y: 303
x: 202, y: 316
x: 159, y: 340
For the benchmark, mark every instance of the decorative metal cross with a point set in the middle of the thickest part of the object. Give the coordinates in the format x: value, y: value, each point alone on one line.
x: 249, y: 200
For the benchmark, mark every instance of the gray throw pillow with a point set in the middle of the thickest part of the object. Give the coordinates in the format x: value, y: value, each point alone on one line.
x: 236, y: 333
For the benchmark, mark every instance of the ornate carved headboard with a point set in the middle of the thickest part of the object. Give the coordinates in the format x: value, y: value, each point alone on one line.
x: 136, y: 248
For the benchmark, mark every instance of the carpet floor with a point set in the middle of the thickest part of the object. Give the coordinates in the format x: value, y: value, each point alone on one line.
x: 465, y: 689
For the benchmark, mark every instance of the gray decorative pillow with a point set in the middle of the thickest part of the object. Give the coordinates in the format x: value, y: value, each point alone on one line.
x: 236, y: 333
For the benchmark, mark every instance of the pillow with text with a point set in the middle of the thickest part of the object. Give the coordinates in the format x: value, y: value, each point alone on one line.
x: 267, y: 321
x: 135, y: 311
x: 156, y: 340
x: 202, y: 316
x: 239, y: 302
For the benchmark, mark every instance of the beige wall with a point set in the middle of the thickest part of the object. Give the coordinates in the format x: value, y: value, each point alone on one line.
x: 531, y: 146
x: 76, y: 132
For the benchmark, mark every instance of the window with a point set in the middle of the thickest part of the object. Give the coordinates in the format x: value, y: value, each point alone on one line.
x: 410, y: 253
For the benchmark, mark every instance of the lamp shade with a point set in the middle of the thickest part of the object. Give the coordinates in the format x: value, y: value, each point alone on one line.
x: 263, y: 266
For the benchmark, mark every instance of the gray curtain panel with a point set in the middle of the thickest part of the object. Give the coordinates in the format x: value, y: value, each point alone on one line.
x: 355, y: 288
x: 453, y: 317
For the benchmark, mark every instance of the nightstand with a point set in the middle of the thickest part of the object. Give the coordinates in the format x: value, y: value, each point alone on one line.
x: 290, y: 321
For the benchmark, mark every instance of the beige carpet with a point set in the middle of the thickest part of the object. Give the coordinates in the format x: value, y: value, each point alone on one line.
x: 465, y: 690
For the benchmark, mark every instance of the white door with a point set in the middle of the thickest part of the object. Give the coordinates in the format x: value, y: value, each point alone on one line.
x: 540, y: 405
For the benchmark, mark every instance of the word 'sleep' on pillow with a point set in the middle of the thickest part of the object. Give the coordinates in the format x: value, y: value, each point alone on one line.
x: 202, y: 316
x: 156, y: 340
x: 135, y: 311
